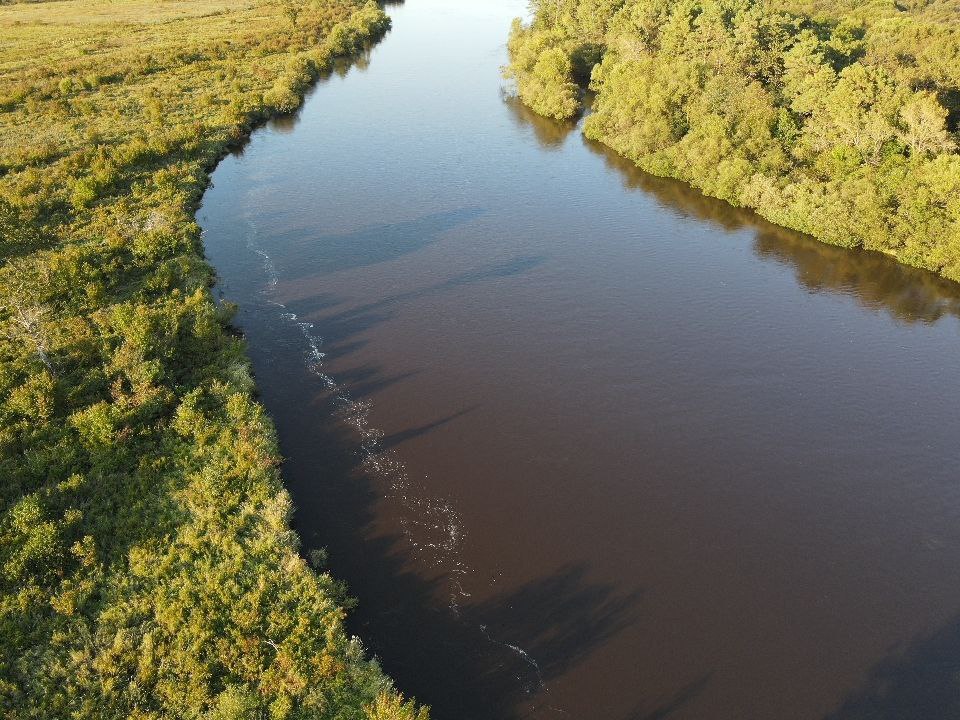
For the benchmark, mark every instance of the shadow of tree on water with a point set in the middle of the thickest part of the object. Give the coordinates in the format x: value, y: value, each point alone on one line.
x: 471, y: 660
x: 922, y: 682
x: 341, y: 327
x: 394, y: 439
x: 556, y: 621
x: 676, y: 702
x: 314, y: 255
x: 480, y: 661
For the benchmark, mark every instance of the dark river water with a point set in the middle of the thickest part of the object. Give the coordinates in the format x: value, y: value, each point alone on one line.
x: 582, y: 442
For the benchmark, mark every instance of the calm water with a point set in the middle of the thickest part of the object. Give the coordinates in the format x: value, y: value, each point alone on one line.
x: 584, y: 443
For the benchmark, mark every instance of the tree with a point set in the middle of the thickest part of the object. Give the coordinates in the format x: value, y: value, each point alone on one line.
x: 925, y: 126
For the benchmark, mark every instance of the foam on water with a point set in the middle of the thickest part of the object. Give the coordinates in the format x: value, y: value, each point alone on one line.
x: 523, y: 655
x: 431, y: 525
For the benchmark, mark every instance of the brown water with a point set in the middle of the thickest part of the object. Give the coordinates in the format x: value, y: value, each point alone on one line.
x: 585, y: 443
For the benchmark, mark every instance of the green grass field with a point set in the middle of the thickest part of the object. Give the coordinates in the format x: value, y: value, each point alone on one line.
x: 147, y: 568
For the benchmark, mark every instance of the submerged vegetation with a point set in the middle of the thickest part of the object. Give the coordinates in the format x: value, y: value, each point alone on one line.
x: 836, y: 119
x: 147, y: 568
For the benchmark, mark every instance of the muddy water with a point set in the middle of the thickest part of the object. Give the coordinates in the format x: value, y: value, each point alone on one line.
x: 584, y: 443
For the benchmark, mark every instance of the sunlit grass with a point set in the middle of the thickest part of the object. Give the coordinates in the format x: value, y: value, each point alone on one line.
x: 147, y: 569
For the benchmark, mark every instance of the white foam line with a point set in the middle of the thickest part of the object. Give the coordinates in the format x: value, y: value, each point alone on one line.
x: 524, y: 655
x: 433, y: 515
x: 268, y: 265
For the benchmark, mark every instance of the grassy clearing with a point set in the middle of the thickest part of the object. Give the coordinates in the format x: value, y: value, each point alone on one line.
x: 147, y: 569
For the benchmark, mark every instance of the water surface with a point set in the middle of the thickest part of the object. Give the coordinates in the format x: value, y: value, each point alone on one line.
x: 583, y: 442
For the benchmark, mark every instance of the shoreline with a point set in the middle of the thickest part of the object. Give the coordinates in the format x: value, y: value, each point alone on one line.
x: 171, y: 578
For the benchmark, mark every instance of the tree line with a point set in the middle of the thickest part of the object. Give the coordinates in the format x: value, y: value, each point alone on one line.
x: 836, y: 119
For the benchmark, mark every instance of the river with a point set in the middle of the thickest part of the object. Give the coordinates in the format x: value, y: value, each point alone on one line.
x: 582, y: 442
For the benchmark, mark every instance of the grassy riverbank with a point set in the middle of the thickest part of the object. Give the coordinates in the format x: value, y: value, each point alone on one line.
x: 147, y: 568
x: 836, y: 119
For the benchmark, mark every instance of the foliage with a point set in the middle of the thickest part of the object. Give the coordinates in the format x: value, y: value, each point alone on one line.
x: 147, y: 568
x: 543, y: 69
x: 837, y: 120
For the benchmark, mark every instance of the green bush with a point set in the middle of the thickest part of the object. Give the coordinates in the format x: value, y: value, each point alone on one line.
x: 147, y: 566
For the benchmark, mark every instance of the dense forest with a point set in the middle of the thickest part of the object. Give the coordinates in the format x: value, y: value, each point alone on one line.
x: 147, y: 568
x: 836, y: 119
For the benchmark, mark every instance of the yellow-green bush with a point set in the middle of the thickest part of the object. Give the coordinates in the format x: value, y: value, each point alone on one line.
x: 839, y: 120
x: 147, y: 568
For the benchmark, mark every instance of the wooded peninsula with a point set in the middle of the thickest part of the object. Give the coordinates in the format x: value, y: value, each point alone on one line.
x: 836, y: 119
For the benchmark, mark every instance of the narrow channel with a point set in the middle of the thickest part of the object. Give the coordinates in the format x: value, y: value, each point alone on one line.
x: 582, y: 442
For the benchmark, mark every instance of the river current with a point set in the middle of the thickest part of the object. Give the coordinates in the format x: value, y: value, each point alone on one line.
x: 582, y: 442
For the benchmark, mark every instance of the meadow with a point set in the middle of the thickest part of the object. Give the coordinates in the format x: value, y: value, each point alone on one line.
x: 147, y: 566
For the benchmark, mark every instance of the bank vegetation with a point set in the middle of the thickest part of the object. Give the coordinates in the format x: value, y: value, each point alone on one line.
x: 147, y: 567
x: 836, y: 119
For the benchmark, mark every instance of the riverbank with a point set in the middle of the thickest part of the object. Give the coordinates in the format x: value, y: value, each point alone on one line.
x: 148, y: 568
x: 585, y: 442
x: 840, y: 122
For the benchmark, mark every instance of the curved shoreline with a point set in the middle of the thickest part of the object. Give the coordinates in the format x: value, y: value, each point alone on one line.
x: 818, y: 131
x: 150, y: 568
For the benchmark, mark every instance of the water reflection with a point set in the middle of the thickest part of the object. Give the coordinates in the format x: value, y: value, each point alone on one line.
x: 874, y: 280
x: 550, y: 134
x: 285, y: 123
